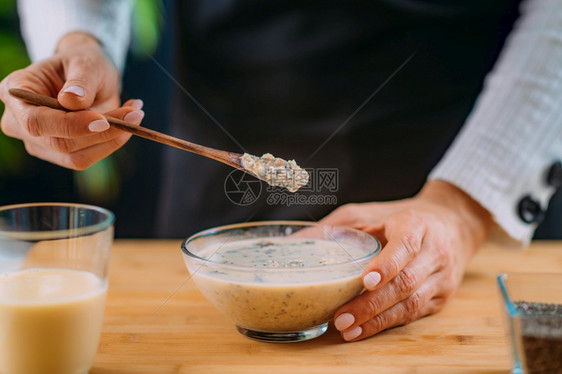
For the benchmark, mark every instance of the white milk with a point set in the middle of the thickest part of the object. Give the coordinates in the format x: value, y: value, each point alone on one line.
x: 50, y: 321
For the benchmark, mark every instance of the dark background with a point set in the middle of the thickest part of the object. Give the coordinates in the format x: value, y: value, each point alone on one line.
x: 128, y: 181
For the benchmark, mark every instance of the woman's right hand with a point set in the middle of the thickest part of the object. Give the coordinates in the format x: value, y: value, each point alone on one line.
x: 81, y: 77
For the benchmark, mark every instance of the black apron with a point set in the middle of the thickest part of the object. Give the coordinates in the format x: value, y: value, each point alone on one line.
x: 293, y: 78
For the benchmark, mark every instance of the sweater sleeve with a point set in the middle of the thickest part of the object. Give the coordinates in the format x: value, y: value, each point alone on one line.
x: 507, y: 153
x: 45, y: 22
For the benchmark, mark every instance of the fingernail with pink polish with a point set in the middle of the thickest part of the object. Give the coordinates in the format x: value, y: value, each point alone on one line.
x: 343, y: 321
x: 137, y: 104
x: 76, y: 90
x: 135, y: 116
x: 98, y: 125
x: 353, y: 333
x: 371, y: 280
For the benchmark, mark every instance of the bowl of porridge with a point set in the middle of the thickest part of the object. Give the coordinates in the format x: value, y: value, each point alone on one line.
x: 279, y: 281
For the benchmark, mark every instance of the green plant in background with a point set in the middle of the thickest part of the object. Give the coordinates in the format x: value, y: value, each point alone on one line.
x: 12, y: 57
x: 146, y: 23
x: 102, y: 181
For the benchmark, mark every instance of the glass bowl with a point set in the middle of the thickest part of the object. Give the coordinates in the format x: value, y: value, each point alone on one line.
x: 279, y: 281
x: 532, y: 305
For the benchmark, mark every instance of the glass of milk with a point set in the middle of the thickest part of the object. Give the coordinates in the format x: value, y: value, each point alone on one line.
x: 53, y: 280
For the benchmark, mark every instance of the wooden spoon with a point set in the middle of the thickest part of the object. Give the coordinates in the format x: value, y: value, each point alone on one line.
x: 229, y: 158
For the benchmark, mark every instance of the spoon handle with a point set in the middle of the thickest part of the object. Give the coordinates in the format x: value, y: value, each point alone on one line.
x: 229, y: 158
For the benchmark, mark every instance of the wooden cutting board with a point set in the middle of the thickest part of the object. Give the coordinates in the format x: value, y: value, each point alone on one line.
x: 157, y: 322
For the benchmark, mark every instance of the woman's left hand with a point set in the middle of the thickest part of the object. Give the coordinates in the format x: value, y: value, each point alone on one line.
x: 427, y: 242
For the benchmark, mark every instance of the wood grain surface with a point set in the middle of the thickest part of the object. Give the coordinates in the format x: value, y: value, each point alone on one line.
x: 157, y: 322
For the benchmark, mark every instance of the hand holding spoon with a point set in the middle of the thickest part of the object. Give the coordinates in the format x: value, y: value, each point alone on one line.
x: 275, y: 171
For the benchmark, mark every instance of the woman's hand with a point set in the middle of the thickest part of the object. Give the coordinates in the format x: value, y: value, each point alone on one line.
x: 81, y: 77
x: 427, y: 242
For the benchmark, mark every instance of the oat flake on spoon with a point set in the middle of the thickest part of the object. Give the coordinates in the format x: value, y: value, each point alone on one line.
x: 275, y: 171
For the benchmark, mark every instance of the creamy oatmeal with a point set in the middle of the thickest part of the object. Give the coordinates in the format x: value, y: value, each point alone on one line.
x: 276, y: 171
x: 287, y: 285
